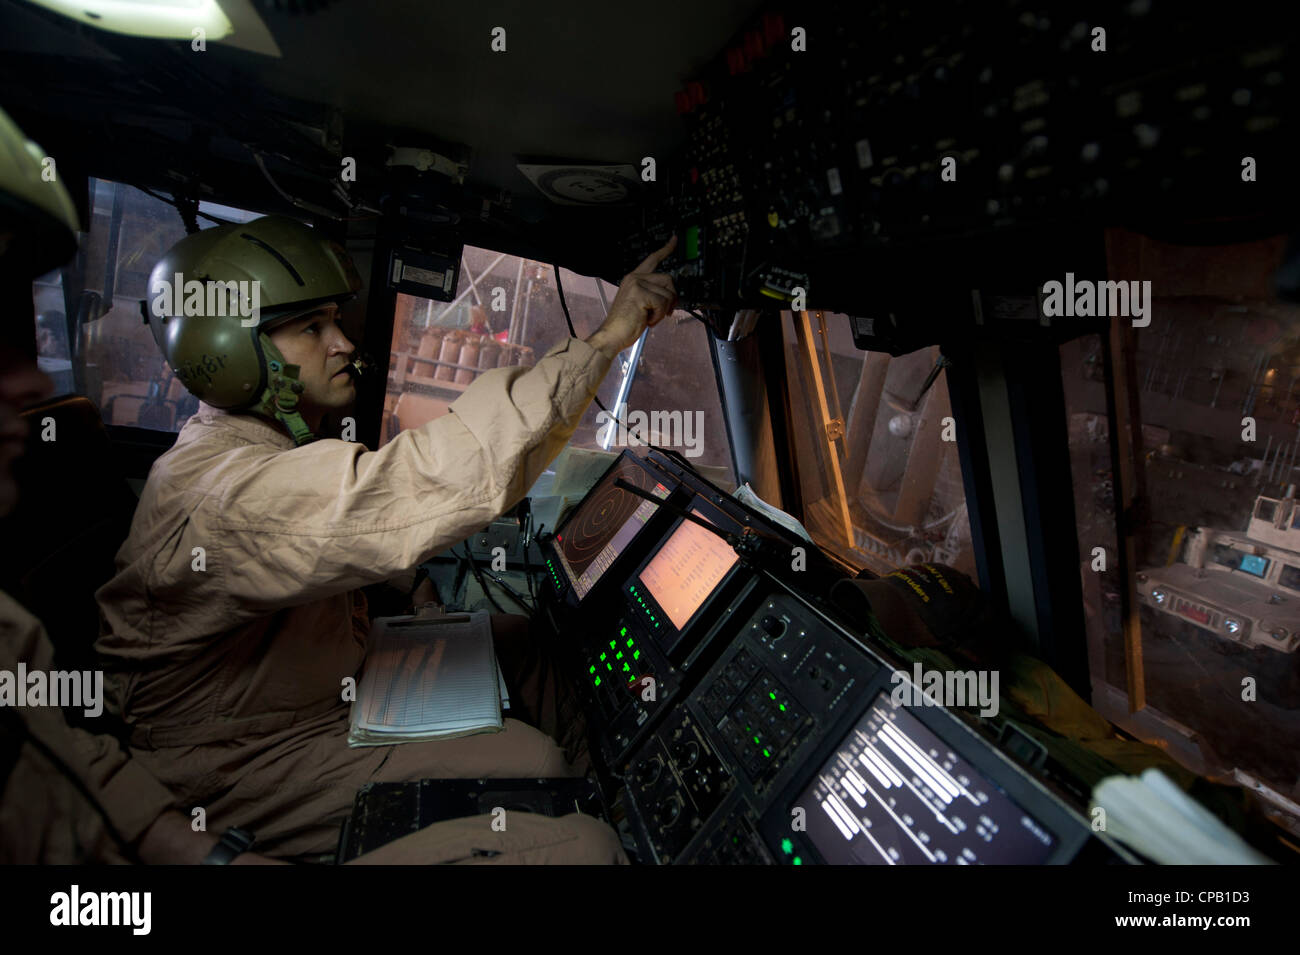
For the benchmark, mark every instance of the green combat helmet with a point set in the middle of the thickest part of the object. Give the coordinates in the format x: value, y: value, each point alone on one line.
x: 216, y: 293
x: 33, y: 203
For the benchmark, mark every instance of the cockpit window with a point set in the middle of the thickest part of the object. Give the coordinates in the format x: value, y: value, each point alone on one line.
x: 881, y: 480
x: 507, y: 312
x: 89, y: 334
x: 1184, y: 455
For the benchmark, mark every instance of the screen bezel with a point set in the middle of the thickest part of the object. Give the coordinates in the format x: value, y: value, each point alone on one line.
x: 671, y: 638
x: 659, y: 476
x: 1070, y: 831
x: 554, y: 545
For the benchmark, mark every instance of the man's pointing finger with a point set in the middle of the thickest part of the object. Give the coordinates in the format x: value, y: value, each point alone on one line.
x: 654, y: 258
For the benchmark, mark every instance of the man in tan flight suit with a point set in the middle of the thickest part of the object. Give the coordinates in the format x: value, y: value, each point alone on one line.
x: 230, y: 630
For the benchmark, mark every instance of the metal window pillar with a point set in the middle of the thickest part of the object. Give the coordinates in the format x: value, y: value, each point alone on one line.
x: 977, y: 475
x: 743, y: 395
x: 1018, y: 453
x: 377, y: 333
x: 778, y: 431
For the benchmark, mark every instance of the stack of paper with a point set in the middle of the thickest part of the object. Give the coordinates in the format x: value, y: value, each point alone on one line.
x: 428, y: 678
x: 1156, y: 818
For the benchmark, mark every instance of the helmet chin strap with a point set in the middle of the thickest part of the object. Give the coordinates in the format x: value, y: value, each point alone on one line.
x: 279, y: 401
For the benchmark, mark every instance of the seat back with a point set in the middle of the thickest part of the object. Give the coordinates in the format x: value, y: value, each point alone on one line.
x: 74, y: 511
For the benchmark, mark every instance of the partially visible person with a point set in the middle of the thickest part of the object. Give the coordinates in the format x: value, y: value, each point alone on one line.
x: 66, y: 795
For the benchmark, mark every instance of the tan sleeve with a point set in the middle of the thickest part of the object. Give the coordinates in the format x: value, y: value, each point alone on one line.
x: 331, y: 516
x: 131, y: 797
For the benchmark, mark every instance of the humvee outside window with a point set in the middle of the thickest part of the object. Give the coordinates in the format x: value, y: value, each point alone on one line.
x: 1194, y: 639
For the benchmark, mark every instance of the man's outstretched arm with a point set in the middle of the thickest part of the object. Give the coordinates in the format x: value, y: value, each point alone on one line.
x: 332, y: 516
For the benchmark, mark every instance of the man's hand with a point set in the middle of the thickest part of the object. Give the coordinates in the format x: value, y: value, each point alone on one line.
x: 644, y: 298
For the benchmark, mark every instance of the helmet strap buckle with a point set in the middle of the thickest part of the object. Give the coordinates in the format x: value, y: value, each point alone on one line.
x: 283, y: 390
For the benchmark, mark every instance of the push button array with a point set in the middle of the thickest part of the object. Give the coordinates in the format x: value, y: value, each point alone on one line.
x: 762, y: 722
x: 729, y: 684
x: 622, y: 661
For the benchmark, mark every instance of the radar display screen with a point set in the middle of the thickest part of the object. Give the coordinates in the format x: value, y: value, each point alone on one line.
x: 894, y: 793
x: 604, y: 524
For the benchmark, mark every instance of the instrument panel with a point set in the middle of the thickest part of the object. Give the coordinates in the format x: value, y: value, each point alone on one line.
x: 737, y: 720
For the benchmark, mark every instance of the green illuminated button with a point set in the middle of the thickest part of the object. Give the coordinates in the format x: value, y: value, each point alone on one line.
x: 592, y: 669
x: 782, y: 707
x: 629, y: 643
x: 623, y: 632
x: 756, y: 739
x: 767, y: 754
x: 609, y: 666
x: 619, y: 655
x: 636, y: 654
x: 772, y: 695
x: 787, y: 846
x: 597, y: 681
x: 656, y: 626
x: 613, y: 644
x: 604, y: 655
x: 626, y: 668
x: 798, y: 860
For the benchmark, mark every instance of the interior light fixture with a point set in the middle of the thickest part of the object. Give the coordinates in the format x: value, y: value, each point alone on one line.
x: 232, y: 22
x: 159, y: 19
